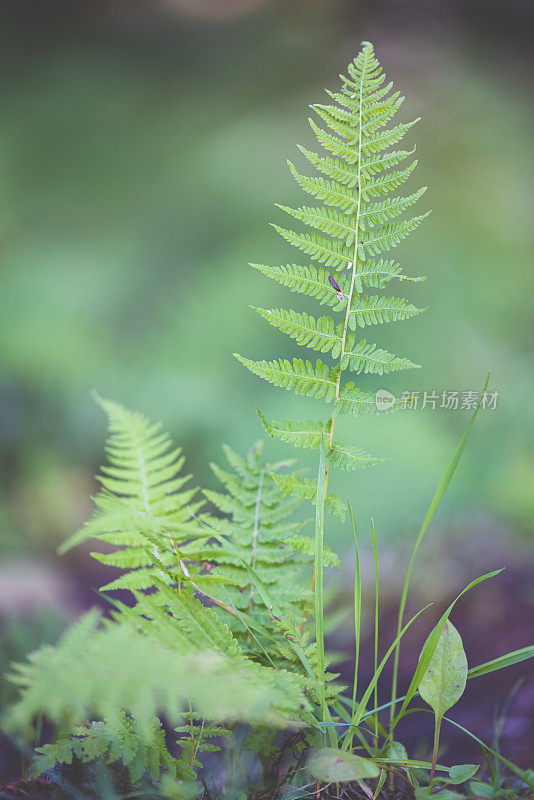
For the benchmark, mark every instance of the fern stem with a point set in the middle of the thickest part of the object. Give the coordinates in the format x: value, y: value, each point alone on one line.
x: 349, y: 298
x: 255, y: 535
x: 199, y: 740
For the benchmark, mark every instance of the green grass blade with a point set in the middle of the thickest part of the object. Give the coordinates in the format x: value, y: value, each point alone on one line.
x: 522, y: 774
x: 360, y: 711
x: 375, y: 662
x: 503, y: 661
x: 433, y: 507
x: 357, y: 608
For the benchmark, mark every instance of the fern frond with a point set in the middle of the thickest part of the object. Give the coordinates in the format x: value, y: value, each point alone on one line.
x: 356, y: 402
x: 331, y: 192
x: 374, y: 164
x: 141, y: 498
x: 306, y: 545
x: 375, y: 142
x: 256, y: 533
x: 334, y: 168
x: 95, y: 670
x: 334, y: 144
x: 300, y: 376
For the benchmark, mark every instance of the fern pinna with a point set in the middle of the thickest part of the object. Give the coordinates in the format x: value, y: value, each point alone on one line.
x: 359, y: 218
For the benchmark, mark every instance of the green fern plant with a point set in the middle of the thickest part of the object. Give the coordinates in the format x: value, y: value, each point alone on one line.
x: 265, y: 543
x: 143, y: 502
x: 217, y: 630
x: 361, y: 220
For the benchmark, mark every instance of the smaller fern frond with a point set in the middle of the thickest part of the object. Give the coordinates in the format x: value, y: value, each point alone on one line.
x: 334, y: 145
x: 307, y: 490
x: 374, y: 164
x: 306, y: 545
x: 375, y: 142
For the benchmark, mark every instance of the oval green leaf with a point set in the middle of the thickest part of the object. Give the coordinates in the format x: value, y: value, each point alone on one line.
x: 443, y: 683
x: 462, y: 772
x: 331, y: 764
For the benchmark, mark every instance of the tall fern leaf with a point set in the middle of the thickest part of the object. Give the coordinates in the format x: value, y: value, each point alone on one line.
x: 358, y: 219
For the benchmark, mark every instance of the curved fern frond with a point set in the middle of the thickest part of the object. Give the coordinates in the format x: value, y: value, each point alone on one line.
x: 377, y: 213
x: 381, y: 239
x: 142, y: 499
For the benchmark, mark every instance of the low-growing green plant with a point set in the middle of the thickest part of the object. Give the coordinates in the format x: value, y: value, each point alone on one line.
x: 217, y: 640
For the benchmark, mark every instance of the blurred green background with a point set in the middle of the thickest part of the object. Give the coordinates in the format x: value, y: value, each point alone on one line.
x: 142, y: 149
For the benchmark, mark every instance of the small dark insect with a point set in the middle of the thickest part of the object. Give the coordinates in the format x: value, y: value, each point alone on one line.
x: 336, y: 287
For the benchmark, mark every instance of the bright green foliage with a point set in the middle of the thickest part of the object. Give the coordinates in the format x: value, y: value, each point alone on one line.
x: 196, y: 735
x: 261, y: 542
x: 122, y: 675
x: 117, y: 739
x: 196, y: 627
x: 218, y: 626
x: 142, y: 500
x: 359, y: 219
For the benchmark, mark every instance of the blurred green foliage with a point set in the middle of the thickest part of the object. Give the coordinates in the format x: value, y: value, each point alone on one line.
x: 137, y: 183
